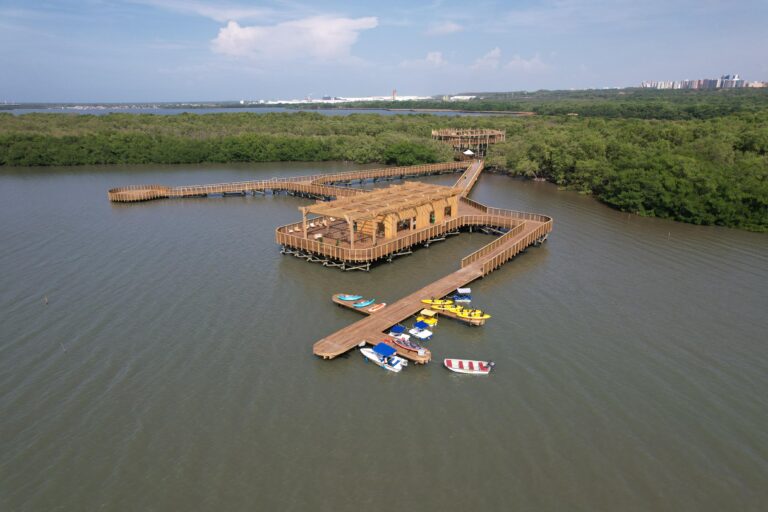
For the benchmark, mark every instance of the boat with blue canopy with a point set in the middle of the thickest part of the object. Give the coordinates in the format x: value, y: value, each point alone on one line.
x: 384, y: 356
x: 396, y: 330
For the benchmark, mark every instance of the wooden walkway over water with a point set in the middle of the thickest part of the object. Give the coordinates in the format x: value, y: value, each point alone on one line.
x: 520, y: 230
x: 322, y: 186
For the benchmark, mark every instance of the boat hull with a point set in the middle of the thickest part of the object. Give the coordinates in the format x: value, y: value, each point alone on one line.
x: 344, y: 296
x: 469, y: 366
x: 377, y: 307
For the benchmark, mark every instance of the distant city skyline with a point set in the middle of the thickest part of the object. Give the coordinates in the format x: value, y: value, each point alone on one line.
x: 176, y: 50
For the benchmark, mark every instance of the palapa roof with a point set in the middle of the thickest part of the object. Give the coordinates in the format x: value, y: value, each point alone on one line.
x: 404, y: 198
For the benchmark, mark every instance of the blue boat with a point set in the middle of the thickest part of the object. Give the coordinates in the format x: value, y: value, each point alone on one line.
x: 349, y: 297
x: 364, y: 303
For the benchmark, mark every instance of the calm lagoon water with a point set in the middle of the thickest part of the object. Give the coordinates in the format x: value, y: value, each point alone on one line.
x: 171, y: 368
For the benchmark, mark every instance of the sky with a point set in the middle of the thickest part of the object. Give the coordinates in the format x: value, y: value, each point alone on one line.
x: 204, y: 50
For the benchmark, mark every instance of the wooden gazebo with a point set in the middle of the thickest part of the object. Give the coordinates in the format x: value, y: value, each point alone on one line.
x: 380, y: 215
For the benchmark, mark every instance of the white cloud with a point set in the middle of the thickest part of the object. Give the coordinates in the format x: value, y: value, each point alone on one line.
x: 488, y: 61
x: 444, y: 28
x: 219, y: 12
x: 432, y: 60
x: 532, y: 65
x: 321, y: 37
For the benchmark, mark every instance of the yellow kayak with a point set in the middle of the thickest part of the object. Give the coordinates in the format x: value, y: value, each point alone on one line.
x: 473, y: 314
x: 431, y: 321
x: 443, y: 307
x: 437, y: 302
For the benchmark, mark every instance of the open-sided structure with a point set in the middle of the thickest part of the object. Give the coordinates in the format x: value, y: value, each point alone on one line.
x: 474, y: 140
x: 381, y: 215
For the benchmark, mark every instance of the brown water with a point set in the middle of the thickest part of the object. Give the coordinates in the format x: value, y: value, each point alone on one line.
x: 171, y: 368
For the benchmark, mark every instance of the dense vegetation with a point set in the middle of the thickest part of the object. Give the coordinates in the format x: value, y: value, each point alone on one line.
x: 704, y: 171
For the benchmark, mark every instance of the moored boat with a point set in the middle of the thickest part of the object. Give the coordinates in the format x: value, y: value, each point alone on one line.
x: 473, y: 314
x: 469, y: 366
x: 463, y: 295
x: 404, y: 342
x: 384, y: 356
x: 430, y: 321
x: 364, y: 303
x: 427, y: 316
x: 344, y: 296
x: 422, y: 334
x: 437, y: 302
x: 377, y: 307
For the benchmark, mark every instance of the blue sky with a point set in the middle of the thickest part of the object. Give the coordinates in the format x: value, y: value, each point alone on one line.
x: 188, y: 50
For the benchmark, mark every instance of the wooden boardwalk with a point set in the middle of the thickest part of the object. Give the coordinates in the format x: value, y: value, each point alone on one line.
x: 320, y: 185
x: 521, y: 229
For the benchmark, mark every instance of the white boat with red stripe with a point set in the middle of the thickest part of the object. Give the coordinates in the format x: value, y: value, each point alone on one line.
x: 469, y: 366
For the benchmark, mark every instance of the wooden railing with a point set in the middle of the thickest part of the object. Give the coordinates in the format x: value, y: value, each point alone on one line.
x: 518, y: 215
x: 510, y: 252
x: 487, y: 249
x: 132, y: 193
x: 474, y: 204
x: 412, y: 170
x: 341, y: 253
x: 470, y: 176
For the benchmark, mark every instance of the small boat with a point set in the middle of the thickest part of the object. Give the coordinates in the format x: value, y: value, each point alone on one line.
x: 377, y: 307
x: 384, y: 356
x: 404, y: 342
x: 463, y: 295
x: 442, y: 307
x: 344, y: 296
x: 364, y: 303
x: 437, y: 302
x: 422, y: 334
x: 430, y: 321
x: 473, y: 314
x: 396, y: 330
x: 427, y: 316
x: 469, y: 366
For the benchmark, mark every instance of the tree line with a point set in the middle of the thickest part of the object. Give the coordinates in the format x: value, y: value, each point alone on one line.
x: 703, y: 171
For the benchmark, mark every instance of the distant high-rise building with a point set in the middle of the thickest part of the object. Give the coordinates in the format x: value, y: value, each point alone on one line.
x: 731, y: 81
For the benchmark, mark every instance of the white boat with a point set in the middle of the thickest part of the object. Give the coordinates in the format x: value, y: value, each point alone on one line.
x: 469, y: 366
x: 384, y: 356
x: 422, y: 334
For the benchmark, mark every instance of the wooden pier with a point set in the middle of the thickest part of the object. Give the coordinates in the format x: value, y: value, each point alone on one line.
x: 478, y: 264
x: 361, y: 227
x: 318, y: 186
